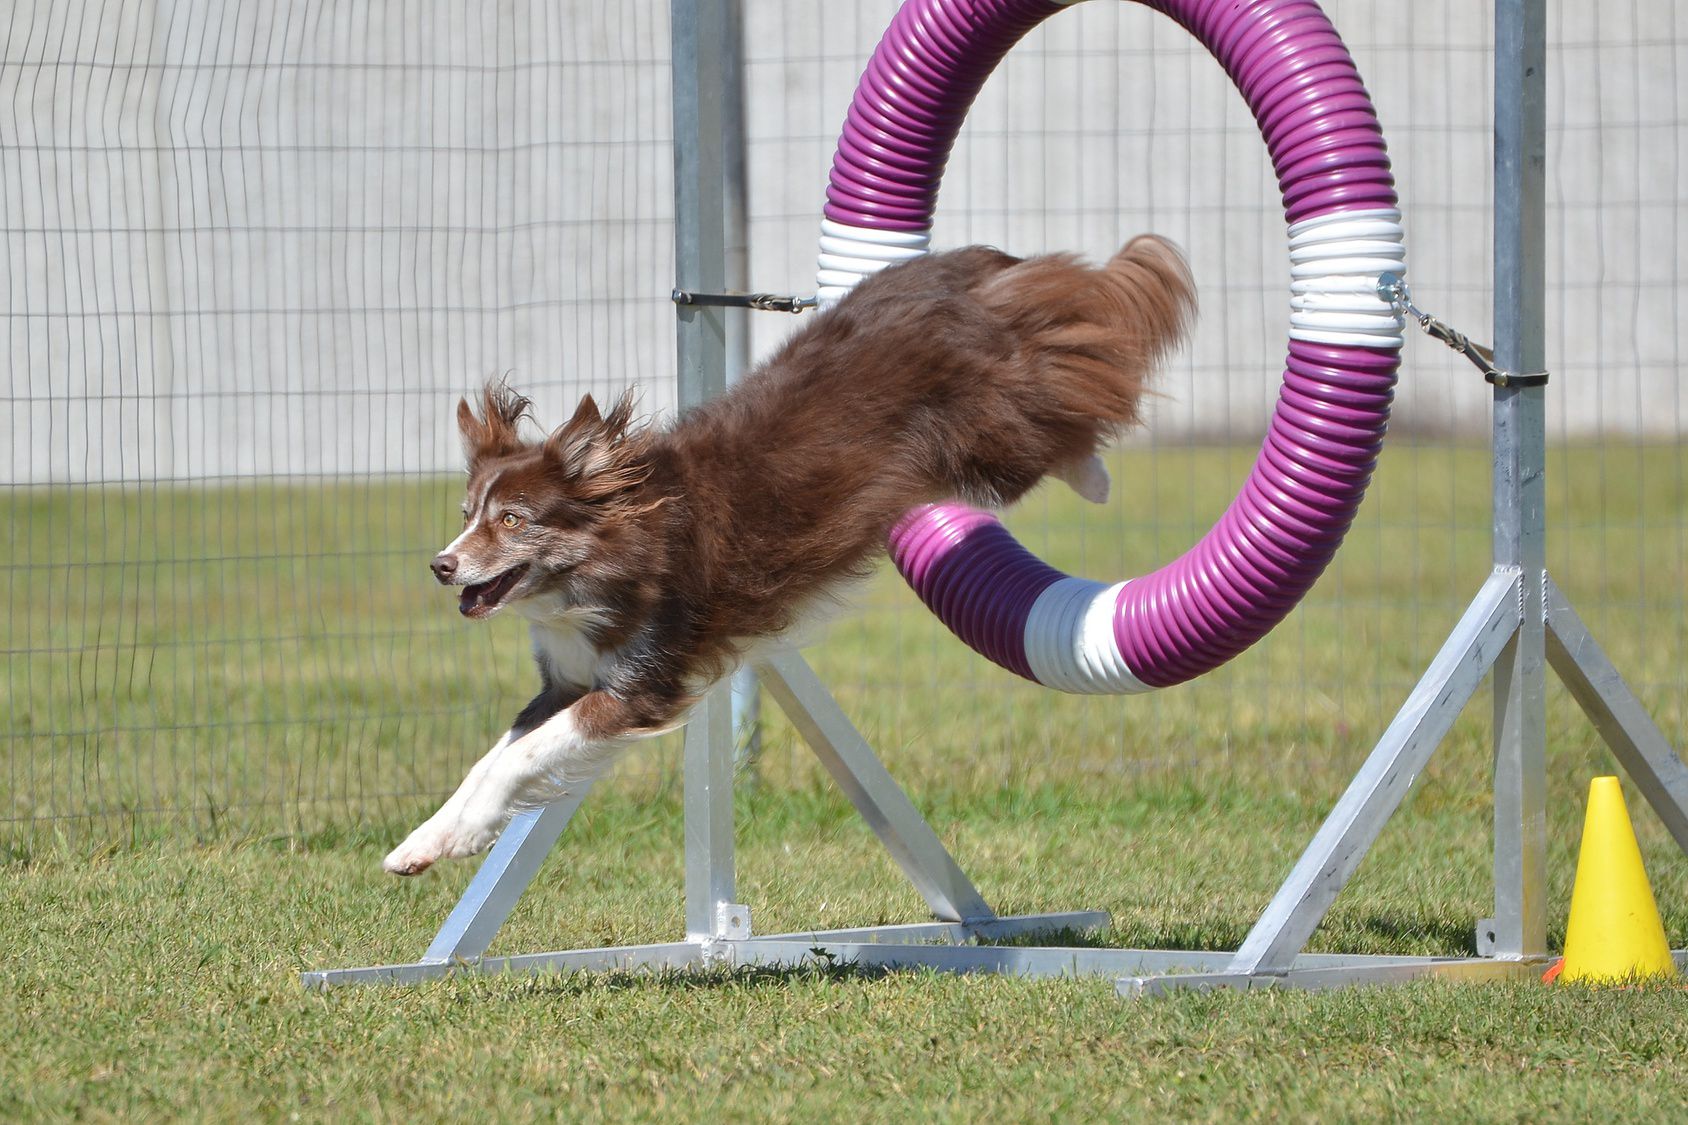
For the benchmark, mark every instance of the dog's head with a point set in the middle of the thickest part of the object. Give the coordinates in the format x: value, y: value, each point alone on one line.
x: 536, y: 512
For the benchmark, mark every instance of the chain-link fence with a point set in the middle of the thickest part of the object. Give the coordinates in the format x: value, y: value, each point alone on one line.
x: 254, y: 252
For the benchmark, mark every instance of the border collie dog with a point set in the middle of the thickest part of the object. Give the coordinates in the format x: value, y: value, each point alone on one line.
x: 648, y: 561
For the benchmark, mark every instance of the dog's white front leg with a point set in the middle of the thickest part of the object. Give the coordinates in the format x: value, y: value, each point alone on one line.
x: 529, y: 771
x: 420, y: 848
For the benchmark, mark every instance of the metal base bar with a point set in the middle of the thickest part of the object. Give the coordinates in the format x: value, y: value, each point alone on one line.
x: 664, y: 955
x: 1136, y: 972
x: 1367, y: 971
x: 1315, y: 971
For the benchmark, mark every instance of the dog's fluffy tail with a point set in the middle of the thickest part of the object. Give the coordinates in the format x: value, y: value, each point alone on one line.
x: 1085, y: 340
x: 1095, y: 335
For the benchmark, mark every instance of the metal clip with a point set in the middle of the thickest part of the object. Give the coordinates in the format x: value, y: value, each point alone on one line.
x: 1394, y: 290
x: 764, y: 302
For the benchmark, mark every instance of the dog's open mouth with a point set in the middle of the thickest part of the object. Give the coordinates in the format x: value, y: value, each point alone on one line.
x: 482, y: 598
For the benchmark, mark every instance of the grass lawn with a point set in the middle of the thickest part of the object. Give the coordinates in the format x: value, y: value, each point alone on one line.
x: 216, y: 726
x: 160, y: 982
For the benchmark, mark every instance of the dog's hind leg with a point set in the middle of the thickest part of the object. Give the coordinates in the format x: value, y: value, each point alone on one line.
x: 1088, y: 477
x: 571, y: 747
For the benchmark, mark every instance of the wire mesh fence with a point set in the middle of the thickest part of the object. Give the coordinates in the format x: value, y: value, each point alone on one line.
x: 254, y: 253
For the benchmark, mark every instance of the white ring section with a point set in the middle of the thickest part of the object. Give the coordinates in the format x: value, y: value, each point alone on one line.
x: 1335, y: 261
x: 916, y: 238
x: 844, y: 247
x: 1070, y: 640
x: 863, y: 266
x: 1354, y: 265
x: 848, y: 254
x: 1334, y: 292
x: 1354, y: 246
x: 1333, y: 287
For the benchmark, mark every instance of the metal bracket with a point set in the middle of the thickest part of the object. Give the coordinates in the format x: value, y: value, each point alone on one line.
x: 1487, y: 937
x: 1394, y: 290
x: 764, y: 302
x: 732, y: 921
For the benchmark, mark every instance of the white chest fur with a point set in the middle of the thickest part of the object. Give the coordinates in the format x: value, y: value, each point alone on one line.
x: 567, y: 652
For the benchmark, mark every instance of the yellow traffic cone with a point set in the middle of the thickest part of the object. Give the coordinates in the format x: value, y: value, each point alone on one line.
x: 1614, y: 933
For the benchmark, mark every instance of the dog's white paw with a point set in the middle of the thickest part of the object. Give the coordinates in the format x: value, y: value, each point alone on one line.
x: 447, y: 837
x: 1089, y: 478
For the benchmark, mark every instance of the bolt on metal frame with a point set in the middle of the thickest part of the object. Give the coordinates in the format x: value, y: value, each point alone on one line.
x: 1518, y: 624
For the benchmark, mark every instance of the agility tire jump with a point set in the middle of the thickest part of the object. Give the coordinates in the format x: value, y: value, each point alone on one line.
x: 1276, y: 538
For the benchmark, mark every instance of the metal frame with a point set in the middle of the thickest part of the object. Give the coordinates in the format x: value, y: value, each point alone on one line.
x: 1518, y: 624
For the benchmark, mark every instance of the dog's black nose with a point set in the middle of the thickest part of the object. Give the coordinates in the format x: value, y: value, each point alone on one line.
x: 444, y: 567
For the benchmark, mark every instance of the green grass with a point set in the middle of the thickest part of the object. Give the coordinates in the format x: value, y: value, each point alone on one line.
x: 160, y: 982
x: 224, y: 704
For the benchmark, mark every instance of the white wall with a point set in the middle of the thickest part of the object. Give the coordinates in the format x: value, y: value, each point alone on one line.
x: 1108, y: 121
x: 246, y: 240
x: 278, y: 241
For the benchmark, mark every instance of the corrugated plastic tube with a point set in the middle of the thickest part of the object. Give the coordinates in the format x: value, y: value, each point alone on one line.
x: 1322, y: 443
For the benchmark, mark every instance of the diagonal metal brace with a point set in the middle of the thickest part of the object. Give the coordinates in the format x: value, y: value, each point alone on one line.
x: 1382, y: 783
x: 1393, y: 289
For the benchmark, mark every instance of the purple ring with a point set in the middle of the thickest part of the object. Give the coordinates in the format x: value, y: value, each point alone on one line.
x: 1321, y: 446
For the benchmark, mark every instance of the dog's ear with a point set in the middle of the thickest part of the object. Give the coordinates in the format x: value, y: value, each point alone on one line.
x: 600, y: 452
x: 576, y: 445
x: 495, y: 433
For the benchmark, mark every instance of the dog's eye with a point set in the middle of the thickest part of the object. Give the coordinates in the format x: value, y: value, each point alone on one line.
x: 511, y: 519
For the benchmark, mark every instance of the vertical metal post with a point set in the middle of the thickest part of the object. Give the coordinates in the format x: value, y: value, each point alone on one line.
x: 747, y: 709
x: 699, y: 49
x: 710, y: 883
x: 1520, y: 734
x: 699, y: 53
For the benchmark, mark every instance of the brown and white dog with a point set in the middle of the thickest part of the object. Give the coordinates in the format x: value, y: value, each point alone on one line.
x: 648, y: 561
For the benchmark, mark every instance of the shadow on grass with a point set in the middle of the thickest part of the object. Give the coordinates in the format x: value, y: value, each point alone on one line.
x: 1175, y: 936
x: 1378, y: 933
x: 1075, y: 939
x: 1410, y: 935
